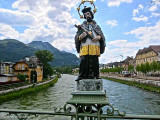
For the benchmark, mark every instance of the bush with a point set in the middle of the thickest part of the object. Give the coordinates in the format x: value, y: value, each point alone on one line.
x: 22, y: 77
x: 146, y: 67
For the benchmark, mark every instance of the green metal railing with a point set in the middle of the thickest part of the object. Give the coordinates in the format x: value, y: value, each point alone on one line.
x: 77, y: 112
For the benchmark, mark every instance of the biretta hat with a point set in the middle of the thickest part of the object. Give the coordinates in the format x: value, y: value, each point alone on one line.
x: 86, y: 9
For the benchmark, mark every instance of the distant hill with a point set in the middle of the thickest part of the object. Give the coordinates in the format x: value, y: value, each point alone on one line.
x: 61, y: 57
x: 14, y: 50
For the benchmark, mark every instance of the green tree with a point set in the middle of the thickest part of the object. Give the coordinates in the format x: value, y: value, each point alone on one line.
x: 142, y: 68
x: 147, y: 67
x: 158, y: 64
x: 138, y: 68
x: 22, y: 77
x: 45, y: 57
x: 131, y: 68
x: 65, y: 69
x: 154, y: 66
x: 47, y: 69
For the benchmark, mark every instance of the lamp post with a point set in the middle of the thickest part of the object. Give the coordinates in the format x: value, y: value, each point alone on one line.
x: 33, y: 81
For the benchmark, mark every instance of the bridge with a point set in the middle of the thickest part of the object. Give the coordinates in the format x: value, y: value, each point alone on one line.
x: 88, y: 102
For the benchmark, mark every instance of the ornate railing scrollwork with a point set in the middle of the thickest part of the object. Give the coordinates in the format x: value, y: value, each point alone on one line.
x: 76, y: 111
x: 57, y: 109
x: 88, y: 109
x: 67, y: 108
x: 110, y: 110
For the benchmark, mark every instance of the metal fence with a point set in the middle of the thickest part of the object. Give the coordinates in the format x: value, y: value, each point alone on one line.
x: 76, y: 112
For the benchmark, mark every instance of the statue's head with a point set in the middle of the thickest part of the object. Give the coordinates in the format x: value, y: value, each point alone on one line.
x: 88, y: 15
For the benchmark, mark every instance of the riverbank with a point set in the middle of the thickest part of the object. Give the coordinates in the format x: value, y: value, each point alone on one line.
x: 30, y: 90
x: 143, y: 84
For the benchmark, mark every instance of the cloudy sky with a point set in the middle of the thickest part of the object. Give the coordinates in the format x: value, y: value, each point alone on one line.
x: 128, y: 25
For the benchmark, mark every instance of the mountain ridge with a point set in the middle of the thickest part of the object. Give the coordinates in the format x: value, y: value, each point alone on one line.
x: 13, y: 50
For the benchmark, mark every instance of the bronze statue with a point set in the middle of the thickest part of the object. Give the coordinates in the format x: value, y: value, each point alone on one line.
x: 90, y: 43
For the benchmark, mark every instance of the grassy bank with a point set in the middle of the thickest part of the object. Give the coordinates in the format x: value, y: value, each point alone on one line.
x: 136, y: 84
x: 21, y: 93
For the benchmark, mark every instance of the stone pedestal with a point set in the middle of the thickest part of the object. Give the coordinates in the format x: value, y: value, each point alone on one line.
x: 90, y: 85
x: 89, y: 97
x: 89, y: 91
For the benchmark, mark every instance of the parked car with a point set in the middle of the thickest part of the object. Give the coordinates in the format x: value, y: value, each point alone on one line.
x: 126, y: 73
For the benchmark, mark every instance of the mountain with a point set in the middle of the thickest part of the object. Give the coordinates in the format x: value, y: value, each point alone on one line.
x: 61, y: 58
x: 14, y: 50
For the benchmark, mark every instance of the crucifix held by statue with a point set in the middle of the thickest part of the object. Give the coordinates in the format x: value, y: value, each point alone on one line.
x: 90, y: 44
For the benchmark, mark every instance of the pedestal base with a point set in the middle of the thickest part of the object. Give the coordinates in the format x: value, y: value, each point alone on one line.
x: 90, y: 85
x: 88, y: 97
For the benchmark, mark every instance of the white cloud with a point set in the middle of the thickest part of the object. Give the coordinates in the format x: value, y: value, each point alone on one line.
x: 153, y: 8
x: 146, y: 36
x: 141, y: 18
x: 46, y: 20
x: 136, y: 11
x: 117, y: 48
x: 140, y: 6
x: 8, y: 32
x: 65, y: 44
x: 150, y: 35
x: 155, y: 14
x: 112, y: 23
x: 16, y: 18
x: 117, y: 3
x: 114, y: 54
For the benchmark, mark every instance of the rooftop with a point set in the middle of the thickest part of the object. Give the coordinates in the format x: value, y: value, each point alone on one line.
x: 155, y: 48
x: 32, y: 62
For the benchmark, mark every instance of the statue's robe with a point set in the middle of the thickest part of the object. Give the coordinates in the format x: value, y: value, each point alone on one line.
x: 89, y: 51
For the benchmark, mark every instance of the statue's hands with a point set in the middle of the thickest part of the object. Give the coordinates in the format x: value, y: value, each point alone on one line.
x: 96, y: 38
x: 83, y: 35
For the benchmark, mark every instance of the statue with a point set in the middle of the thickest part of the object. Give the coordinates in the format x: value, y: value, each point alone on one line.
x: 90, y: 43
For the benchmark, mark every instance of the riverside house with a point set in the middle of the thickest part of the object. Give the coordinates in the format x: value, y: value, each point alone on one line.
x: 150, y: 54
x: 6, y: 67
x: 125, y: 63
x: 26, y: 66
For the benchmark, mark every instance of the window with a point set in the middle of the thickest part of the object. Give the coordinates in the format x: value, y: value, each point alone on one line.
x: 156, y: 58
x: 19, y: 66
x: 22, y: 66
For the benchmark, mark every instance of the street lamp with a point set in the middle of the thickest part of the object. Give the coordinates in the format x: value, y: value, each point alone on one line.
x: 33, y: 79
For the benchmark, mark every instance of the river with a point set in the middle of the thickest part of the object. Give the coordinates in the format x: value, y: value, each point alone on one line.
x: 128, y: 98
